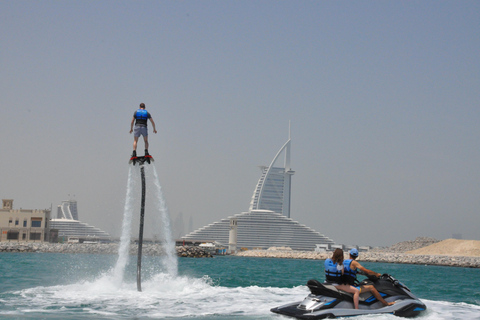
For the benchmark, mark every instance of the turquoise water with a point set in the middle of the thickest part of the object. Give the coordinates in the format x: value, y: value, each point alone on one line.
x: 69, y: 286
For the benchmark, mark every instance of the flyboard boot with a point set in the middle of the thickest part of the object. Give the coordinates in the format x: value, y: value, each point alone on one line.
x: 148, y: 157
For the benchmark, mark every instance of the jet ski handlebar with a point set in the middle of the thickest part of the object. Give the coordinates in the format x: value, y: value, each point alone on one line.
x: 387, y: 277
x: 397, y: 283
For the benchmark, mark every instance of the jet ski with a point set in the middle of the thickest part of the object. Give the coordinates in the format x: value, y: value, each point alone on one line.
x: 326, y: 302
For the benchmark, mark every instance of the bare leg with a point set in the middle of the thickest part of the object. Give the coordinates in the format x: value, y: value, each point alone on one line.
x: 145, y: 138
x: 135, y: 140
x: 376, y: 294
x: 351, y: 289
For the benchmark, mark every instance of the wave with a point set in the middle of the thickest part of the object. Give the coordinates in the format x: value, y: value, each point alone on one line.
x: 168, y: 297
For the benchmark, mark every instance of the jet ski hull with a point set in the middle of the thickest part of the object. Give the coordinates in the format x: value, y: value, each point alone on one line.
x: 326, y: 302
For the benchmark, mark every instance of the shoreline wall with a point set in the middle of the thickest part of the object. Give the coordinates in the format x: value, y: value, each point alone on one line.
x: 148, y: 249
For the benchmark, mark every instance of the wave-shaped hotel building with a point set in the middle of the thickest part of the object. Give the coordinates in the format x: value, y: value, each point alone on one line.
x: 267, y: 222
x: 69, y: 226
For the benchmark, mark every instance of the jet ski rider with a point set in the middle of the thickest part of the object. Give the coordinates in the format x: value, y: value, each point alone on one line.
x: 334, y: 271
x: 350, y: 270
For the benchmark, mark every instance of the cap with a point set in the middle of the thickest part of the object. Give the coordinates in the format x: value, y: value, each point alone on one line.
x: 354, y: 252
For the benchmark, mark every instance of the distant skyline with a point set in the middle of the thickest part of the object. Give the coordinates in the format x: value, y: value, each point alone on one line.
x: 383, y: 99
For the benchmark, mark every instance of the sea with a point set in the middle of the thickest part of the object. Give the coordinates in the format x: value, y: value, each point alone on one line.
x: 85, y: 286
x: 100, y: 286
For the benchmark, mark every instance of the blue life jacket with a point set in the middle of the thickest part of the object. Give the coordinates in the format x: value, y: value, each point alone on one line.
x: 349, y: 275
x: 141, y: 114
x: 331, y: 272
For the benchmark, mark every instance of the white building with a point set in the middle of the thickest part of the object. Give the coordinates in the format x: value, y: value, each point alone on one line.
x: 273, y: 188
x: 67, y: 210
x: 267, y: 223
x: 77, y: 229
x: 69, y: 226
x: 262, y: 229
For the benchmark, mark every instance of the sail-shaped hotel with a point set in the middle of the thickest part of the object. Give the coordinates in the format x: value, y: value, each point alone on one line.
x: 267, y: 222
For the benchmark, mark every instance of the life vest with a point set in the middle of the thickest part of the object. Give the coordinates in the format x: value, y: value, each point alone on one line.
x: 141, y: 114
x: 331, y: 272
x: 349, y: 275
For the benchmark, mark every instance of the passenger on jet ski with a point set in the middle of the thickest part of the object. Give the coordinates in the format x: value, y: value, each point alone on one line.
x: 334, y: 274
x: 327, y: 301
x: 350, y: 270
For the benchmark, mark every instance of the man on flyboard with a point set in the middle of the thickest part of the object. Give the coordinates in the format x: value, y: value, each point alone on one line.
x: 140, y: 118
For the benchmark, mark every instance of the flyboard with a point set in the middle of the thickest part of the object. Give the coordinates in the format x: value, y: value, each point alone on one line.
x: 141, y: 162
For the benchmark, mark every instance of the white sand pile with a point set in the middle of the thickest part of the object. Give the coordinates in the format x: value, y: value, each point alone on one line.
x: 451, y: 247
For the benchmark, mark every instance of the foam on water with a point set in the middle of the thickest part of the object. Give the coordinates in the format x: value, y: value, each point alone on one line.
x: 449, y: 310
x: 179, y: 297
x: 162, y: 296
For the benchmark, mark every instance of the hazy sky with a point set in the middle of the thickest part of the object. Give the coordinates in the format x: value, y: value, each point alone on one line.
x: 383, y: 98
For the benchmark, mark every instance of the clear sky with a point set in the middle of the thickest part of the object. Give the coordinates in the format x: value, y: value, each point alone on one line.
x: 383, y: 98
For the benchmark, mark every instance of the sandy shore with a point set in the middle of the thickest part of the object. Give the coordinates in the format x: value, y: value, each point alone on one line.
x: 451, y: 247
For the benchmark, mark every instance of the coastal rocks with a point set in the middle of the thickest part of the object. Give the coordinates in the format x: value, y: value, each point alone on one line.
x: 148, y: 249
x: 284, y: 254
x: 438, y: 260
x: 387, y: 257
x: 279, y: 248
x: 18, y: 248
x: 192, y: 252
x: 422, y: 251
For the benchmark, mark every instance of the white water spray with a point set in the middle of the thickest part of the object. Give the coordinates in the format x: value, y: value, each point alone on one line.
x: 170, y: 261
x: 124, y: 247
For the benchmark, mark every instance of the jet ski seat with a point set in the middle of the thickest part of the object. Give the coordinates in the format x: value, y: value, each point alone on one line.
x: 329, y: 290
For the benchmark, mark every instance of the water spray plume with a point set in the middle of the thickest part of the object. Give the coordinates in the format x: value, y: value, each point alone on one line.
x: 169, y: 260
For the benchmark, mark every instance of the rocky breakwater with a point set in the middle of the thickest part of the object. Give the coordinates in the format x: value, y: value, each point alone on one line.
x: 284, y: 253
x: 16, y: 248
x: 422, y: 251
x: 192, y: 252
x: 387, y: 257
x: 437, y: 260
x: 148, y: 249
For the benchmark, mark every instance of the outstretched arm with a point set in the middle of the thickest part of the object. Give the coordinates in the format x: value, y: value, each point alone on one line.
x: 364, y: 270
x: 153, y: 125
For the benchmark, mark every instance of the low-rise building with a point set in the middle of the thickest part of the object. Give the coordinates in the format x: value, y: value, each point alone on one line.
x: 23, y: 225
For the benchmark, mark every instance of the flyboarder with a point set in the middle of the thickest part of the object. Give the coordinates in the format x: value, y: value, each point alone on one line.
x: 140, y: 118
